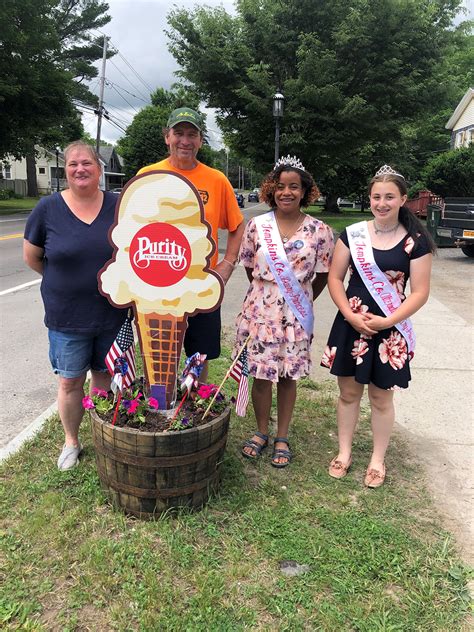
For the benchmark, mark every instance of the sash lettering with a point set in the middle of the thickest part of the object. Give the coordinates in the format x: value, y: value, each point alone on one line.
x: 380, y: 288
x: 289, y: 285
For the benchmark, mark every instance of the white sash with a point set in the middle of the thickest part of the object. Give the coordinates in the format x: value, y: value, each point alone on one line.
x: 289, y: 285
x: 380, y: 288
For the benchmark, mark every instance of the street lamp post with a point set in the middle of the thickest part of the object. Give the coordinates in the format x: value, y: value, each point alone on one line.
x: 226, y: 161
x: 278, y: 99
x: 57, y: 170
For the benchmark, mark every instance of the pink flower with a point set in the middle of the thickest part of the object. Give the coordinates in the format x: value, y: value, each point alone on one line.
x: 99, y: 392
x: 134, y: 404
x: 394, y: 350
x: 328, y: 356
x: 355, y: 303
x: 87, y: 403
x: 206, y: 390
x: 359, y: 349
x: 397, y: 279
x: 153, y: 403
x: 408, y: 245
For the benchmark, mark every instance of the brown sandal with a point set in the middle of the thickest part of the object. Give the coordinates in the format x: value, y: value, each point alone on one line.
x: 374, y: 478
x: 337, y: 469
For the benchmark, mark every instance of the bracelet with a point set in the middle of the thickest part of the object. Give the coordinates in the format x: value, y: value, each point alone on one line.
x: 229, y: 262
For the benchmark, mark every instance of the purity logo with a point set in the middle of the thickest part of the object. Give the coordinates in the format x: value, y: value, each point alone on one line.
x: 160, y: 254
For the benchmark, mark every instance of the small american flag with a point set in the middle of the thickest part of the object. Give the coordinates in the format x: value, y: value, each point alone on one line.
x: 240, y: 373
x: 120, y: 359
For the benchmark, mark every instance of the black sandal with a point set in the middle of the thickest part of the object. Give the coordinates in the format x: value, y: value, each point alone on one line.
x: 278, y: 453
x: 254, y: 445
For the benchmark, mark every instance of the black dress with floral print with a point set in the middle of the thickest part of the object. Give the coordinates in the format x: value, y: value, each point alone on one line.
x: 381, y: 359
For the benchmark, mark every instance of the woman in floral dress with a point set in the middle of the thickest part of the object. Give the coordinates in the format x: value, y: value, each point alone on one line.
x: 279, y: 345
x: 365, y: 346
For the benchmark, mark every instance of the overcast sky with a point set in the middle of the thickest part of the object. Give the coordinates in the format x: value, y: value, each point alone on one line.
x: 143, y: 62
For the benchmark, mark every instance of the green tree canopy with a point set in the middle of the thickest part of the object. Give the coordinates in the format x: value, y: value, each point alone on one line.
x: 46, y: 55
x: 451, y: 174
x: 143, y: 142
x: 355, y: 75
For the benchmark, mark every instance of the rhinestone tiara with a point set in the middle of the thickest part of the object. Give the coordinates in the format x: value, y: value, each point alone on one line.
x: 387, y: 170
x: 289, y: 161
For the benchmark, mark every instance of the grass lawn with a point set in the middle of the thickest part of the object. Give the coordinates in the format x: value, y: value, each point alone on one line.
x: 377, y: 560
x: 9, y: 207
x: 339, y: 221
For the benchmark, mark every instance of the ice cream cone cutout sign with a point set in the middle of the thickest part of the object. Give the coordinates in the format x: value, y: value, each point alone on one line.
x: 160, y: 267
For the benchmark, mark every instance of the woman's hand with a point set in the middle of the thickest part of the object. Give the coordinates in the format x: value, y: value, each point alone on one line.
x: 377, y: 323
x: 360, y: 323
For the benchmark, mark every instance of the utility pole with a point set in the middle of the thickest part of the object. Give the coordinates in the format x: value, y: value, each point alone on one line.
x: 100, y: 109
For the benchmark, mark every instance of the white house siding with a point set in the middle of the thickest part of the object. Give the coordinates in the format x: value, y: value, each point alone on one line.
x: 466, y: 119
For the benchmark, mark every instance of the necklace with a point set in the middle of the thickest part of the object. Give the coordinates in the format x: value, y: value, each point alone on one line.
x: 286, y: 236
x: 385, y: 230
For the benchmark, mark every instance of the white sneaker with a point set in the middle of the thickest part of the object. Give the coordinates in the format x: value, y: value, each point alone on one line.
x: 69, y: 457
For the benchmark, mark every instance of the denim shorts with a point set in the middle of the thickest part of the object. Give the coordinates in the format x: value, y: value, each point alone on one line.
x: 72, y: 355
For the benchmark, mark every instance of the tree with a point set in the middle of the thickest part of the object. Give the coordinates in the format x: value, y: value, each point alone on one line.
x: 143, y: 142
x: 354, y: 73
x: 451, y: 174
x: 33, y: 88
x: 46, y: 53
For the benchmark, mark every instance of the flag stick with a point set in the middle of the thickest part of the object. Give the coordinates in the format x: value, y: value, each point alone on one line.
x: 227, y: 375
x: 116, y: 408
x: 179, y: 407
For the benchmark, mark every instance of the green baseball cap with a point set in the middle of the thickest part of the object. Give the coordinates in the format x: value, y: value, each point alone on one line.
x: 185, y: 115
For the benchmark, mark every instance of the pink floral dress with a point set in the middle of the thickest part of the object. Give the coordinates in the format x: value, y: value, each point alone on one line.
x: 278, y: 345
x: 381, y: 359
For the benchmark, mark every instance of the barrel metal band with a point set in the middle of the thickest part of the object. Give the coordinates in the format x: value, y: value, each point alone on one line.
x: 140, y: 492
x: 158, y: 461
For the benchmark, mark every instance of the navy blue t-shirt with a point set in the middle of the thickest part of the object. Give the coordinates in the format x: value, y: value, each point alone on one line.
x: 74, y: 252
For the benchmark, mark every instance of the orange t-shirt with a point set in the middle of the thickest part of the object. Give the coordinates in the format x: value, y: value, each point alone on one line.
x: 220, y: 206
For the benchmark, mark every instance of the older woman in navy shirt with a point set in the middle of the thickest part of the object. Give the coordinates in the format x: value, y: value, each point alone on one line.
x: 66, y: 242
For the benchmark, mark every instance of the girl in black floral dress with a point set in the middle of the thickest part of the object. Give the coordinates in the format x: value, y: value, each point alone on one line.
x: 365, y: 346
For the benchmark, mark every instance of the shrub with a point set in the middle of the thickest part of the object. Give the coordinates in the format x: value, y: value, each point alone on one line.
x: 451, y: 174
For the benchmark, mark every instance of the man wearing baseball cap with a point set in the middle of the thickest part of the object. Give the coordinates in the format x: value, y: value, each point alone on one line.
x: 184, y: 137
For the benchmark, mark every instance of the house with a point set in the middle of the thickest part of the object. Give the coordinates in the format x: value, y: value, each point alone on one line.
x: 461, y: 122
x: 113, y: 169
x: 50, y: 171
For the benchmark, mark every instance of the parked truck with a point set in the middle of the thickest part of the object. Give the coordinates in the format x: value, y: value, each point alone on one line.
x: 454, y: 224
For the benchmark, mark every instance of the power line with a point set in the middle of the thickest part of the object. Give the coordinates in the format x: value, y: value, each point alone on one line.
x: 114, y: 49
x: 127, y: 102
x: 113, y: 84
x: 147, y: 86
x: 124, y: 76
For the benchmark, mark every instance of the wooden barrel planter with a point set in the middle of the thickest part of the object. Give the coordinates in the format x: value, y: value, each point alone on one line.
x: 147, y: 473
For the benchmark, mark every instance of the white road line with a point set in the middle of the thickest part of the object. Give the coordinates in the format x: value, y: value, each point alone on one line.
x: 20, y: 287
x: 17, y: 219
x: 15, y: 444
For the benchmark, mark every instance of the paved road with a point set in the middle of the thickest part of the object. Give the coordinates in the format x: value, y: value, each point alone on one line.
x: 27, y: 385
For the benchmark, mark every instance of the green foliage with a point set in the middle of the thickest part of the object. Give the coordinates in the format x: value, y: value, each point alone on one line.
x: 359, y: 78
x: 46, y: 52
x: 143, y: 142
x: 451, y: 174
x: 13, y: 205
x: 8, y: 194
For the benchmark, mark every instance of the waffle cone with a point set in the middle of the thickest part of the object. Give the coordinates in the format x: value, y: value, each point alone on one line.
x: 161, y: 338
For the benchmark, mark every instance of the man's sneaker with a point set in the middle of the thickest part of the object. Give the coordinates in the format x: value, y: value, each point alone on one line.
x: 69, y: 457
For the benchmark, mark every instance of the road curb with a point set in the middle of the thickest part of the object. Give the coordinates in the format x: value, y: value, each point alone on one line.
x: 17, y: 442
